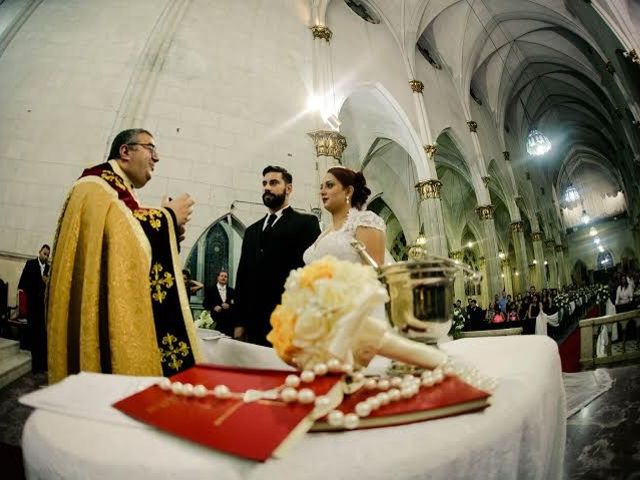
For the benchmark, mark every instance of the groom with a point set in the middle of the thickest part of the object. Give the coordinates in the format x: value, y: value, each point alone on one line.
x: 272, y: 247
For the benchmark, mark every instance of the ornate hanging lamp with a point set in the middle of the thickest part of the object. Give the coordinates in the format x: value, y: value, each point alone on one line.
x: 537, y: 143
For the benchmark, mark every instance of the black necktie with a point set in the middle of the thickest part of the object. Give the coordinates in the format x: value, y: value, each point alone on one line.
x: 270, y: 221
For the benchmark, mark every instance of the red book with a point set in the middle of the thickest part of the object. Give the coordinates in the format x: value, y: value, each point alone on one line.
x: 450, y: 397
x: 254, y: 430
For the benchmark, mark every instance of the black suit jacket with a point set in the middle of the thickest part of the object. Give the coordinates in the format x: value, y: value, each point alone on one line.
x: 265, y: 263
x: 225, y: 318
x: 33, y: 285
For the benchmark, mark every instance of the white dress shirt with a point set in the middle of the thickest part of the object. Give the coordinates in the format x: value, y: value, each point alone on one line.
x: 278, y: 215
x: 222, y: 290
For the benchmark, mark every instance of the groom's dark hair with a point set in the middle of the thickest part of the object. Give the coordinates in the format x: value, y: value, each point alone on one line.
x: 274, y: 168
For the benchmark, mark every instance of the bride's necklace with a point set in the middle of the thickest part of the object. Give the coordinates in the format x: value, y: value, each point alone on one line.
x: 337, y: 226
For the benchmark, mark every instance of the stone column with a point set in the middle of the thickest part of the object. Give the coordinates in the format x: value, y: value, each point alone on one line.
x: 563, y: 277
x: 490, y: 249
x: 521, y: 262
x: 458, y: 285
x: 505, y: 266
x: 553, y: 266
x: 329, y: 147
x: 431, y: 216
x: 538, y: 254
x: 485, y: 296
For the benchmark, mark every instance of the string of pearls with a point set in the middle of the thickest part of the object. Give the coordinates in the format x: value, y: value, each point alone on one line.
x: 289, y: 392
x: 396, y: 388
x: 390, y: 389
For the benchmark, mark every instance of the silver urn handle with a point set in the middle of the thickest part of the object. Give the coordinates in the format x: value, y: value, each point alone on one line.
x: 364, y: 255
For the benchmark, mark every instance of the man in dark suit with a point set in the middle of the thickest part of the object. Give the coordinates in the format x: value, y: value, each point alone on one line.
x: 220, y: 301
x: 33, y: 282
x: 272, y: 247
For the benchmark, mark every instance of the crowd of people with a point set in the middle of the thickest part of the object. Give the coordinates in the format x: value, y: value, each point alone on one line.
x: 526, y: 306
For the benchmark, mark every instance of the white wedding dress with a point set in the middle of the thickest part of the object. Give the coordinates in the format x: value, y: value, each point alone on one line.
x: 337, y: 243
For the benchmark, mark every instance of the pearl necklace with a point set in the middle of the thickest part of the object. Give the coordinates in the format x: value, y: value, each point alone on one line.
x: 391, y: 389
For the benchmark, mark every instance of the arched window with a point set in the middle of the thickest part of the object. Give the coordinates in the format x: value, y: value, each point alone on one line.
x: 363, y: 10
x: 471, y: 288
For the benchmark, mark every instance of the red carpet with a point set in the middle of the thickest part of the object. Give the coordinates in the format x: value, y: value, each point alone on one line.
x: 570, y: 348
x: 570, y: 352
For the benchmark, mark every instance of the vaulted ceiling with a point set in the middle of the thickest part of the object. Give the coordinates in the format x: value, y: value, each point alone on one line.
x: 552, y: 64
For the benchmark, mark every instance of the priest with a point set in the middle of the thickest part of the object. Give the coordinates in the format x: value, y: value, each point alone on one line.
x: 116, y: 301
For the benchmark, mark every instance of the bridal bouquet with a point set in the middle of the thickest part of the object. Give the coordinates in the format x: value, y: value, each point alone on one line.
x: 205, y: 320
x: 325, y: 315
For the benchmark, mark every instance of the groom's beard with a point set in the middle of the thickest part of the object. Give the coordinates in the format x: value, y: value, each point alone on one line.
x: 273, y: 201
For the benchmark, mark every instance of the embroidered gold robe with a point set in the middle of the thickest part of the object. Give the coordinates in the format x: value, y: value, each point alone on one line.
x: 116, y: 301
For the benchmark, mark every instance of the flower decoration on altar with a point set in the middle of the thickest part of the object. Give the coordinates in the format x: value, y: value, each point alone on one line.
x: 205, y: 320
x: 325, y: 315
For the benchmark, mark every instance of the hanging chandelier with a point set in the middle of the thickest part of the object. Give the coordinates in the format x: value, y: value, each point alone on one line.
x: 537, y: 143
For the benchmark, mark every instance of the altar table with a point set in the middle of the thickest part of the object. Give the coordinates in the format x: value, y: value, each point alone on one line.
x: 520, y: 436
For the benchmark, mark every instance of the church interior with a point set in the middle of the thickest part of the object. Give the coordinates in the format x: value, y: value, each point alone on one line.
x: 500, y: 134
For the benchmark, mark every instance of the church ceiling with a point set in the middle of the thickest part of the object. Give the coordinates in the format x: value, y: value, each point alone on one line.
x: 552, y: 64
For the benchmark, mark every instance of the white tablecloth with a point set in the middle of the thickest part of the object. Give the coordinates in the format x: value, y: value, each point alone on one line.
x: 520, y: 436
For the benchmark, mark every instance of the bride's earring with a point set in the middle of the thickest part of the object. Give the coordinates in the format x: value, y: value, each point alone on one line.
x: 347, y: 199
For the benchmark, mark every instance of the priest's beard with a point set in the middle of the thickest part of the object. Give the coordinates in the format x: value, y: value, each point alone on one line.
x: 273, y: 200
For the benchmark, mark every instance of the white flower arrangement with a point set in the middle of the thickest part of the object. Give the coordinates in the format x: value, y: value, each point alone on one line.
x: 205, y: 320
x: 325, y: 317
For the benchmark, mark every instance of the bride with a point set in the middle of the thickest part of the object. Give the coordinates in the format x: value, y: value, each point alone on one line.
x: 344, y: 193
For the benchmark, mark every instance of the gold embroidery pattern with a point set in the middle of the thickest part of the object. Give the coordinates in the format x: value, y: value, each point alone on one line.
x: 173, y: 351
x: 151, y: 215
x: 111, y: 177
x: 160, y: 283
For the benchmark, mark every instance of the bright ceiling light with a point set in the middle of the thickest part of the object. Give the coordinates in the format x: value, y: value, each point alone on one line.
x: 600, y: 248
x: 585, y: 217
x: 421, y: 240
x: 314, y: 103
x: 593, y: 232
x: 469, y: 244
x: 535, y: 262
x: 596, y: 241
x: 537, y: 143
x: 571, y: 194
x: 546, y: 263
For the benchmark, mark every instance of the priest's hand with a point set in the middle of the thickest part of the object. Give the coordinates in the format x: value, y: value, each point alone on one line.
x: 182, y: 207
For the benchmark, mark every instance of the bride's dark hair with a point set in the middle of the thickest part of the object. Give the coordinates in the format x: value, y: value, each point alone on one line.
x: 351, y: 178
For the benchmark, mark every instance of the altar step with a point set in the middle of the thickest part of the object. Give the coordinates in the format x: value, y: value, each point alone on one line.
x: 14, y: 363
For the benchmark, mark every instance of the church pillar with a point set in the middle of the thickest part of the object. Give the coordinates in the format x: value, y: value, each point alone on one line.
x: 552, y: 264
x: 522, y: 264
x: 505, y: 266
x: 483, y: 301
x: 563, y: 275
x: 431, y: 216
x: 458, y: 284
x: 329, y: 146
x: 490, y: 249
x: 538, y: 254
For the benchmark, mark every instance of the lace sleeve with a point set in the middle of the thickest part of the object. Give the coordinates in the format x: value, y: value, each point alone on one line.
x: 364, y: 219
